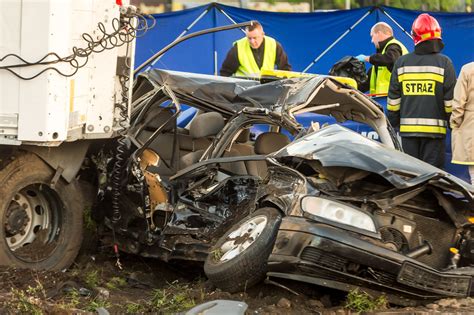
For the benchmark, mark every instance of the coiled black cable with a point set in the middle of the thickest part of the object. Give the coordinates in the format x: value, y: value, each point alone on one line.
x: 122, y: 143
x: 124, y: 30
x: 121, y: 150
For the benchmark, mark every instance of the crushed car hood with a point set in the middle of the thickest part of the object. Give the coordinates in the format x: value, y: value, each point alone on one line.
x: 338, y: 146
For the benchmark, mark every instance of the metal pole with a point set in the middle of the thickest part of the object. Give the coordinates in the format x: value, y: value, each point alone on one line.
x: 337, y: 40
x: 214, y: 20
x: 228, y: 17
x: 177, y: 41
x: 184, y: 32
x: 396, y: 23
x: 215, y: 62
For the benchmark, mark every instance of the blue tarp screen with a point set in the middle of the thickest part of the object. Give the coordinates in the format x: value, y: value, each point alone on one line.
x: 304, y: 36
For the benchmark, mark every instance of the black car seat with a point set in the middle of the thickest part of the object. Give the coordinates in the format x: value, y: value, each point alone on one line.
x: 201, y: 131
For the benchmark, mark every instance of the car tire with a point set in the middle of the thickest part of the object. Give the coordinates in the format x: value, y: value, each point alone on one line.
x: 40, y: 222
x: 235, y: 267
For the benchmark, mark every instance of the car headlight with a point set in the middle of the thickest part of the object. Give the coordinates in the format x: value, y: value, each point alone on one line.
x: 337, y: 212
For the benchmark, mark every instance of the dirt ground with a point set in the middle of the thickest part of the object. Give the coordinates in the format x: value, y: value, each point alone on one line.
x: 95, y: 284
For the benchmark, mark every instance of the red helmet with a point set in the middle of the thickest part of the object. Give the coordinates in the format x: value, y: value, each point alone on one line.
x: 425, y: 27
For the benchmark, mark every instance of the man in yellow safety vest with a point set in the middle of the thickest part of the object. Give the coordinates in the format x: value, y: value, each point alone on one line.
x: 254, y: 53
x: 388, y: 51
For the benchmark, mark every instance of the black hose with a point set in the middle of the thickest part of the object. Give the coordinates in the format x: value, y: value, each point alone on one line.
x: 122, y: 147
x: 123, y: 32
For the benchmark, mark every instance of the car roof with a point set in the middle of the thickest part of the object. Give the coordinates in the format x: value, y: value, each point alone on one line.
x: 287, y: 97
x: 230, y: 95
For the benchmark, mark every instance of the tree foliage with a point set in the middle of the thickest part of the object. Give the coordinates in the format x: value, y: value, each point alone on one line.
x: 423, y: 5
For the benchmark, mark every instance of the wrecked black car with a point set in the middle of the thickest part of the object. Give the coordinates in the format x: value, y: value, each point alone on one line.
x: 331, y: 208
x: 179, y: 188
x: 343, y: 211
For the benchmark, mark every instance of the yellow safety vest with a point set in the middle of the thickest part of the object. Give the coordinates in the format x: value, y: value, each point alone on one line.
x: 379, y: 82
x: 248, y: 66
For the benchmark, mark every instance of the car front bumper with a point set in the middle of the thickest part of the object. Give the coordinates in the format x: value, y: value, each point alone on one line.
x: 330, y: 256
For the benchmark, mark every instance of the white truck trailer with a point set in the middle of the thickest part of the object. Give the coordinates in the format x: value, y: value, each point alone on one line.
x: 53, y: 108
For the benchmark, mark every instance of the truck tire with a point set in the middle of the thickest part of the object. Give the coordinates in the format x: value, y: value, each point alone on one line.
x: 41, y: 223
x: 239, y: 258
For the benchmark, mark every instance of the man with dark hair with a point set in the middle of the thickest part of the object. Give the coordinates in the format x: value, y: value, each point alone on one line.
x: 421, y: 93
x: 254, y: 53
x: 388, y: 50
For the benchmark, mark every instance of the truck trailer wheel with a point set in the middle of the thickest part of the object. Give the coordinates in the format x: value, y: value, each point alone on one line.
x: 41, y: 222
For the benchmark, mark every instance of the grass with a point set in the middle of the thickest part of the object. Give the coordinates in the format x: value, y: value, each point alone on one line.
x: 115, y: 283
x: 37, y: 290
x: 174, y: 299
x: 23, y: 303
x: 70, y: 301
x: 27, y: 301
x: 92, y: 278
x: 360, y: 301
x: 89, y: 224
x: 216, y: 254
x: 93, y: 305
x: 134, y: 308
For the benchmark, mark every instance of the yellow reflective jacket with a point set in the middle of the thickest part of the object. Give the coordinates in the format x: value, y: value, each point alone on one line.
x: 248, y: 66
x: 380, y: 81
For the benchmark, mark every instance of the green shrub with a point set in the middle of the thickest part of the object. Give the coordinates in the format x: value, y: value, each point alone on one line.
x: 363, y: 302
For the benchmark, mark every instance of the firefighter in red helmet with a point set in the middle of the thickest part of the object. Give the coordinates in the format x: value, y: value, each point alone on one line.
x: 421, y: 92
x: 425, y: 27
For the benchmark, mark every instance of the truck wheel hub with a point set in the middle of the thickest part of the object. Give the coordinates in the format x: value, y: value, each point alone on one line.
x: 17, y: 219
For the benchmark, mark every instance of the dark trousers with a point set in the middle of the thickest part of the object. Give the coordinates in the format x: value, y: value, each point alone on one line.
x: 430, y: 150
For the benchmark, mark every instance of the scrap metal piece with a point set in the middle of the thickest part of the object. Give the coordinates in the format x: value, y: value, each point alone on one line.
x: 268, y: 281
x: 218, y: 307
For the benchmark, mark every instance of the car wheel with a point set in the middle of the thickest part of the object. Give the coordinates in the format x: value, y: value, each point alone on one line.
x: 239, y: 258
x: 41, y: 224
